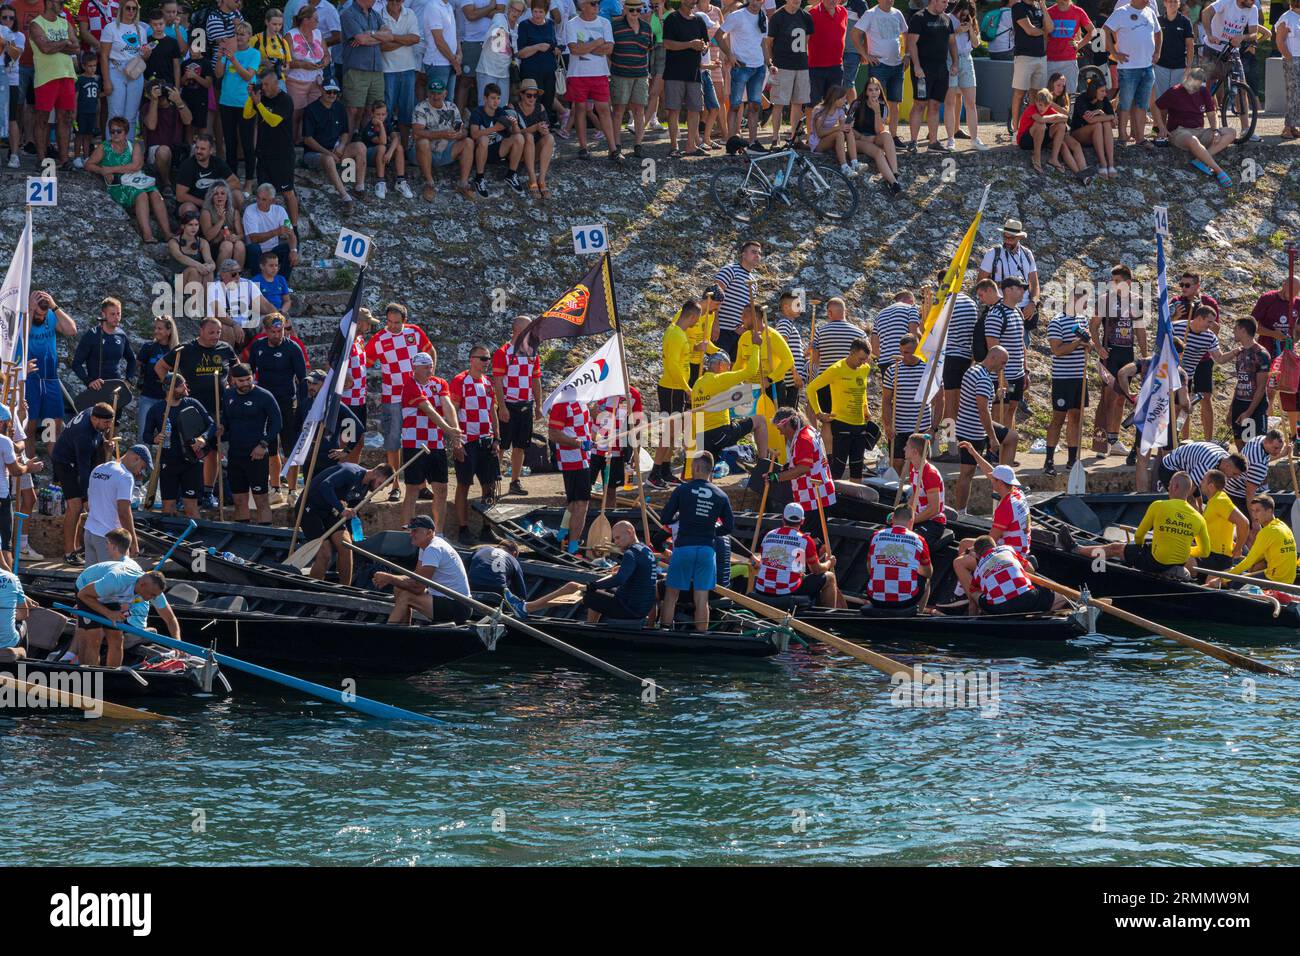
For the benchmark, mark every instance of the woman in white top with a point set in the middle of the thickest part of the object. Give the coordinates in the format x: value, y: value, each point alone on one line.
x: 962, y: 76
x: 1286, y: 37
x: 308, y: 57
x: 121, y: 42
x: 12, y: 44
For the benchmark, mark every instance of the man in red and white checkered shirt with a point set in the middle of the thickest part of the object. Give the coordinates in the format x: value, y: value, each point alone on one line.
x: 1001, y: 584
x: 806, y: 469
x: 569, y: 427
x: 614, y: 434
x: 788, y: 563
x: 899, y: 560
x: 354, y: 395
x: 518, y: 382
x: 474, y: 397
x: 428, y: 421
x: 393, y: 347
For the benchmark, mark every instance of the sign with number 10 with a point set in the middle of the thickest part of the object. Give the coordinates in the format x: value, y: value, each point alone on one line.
x: 353, y: 246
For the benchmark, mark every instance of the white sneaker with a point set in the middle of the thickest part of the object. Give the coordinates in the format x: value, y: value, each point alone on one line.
x: 31, y: 553
x: 1118, y: 448
x: 980, y: 144
x: 78, y: 163
x: 381, y: 189
x: 952, y: 143
x: 360, y: 189
x: 13, y: 161
x: 846, y: 169
x: 404, y: 189
x: 854, y: 165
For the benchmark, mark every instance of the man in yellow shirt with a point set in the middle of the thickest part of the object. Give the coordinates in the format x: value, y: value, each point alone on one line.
x: 1228, y: 527
x: 1273, y: 553
x: 674, y: 389
x: 852, y: 430
x: 775, y: 359
x: 715, y: 429
x: 1178, y: 532
x: 700, y: 335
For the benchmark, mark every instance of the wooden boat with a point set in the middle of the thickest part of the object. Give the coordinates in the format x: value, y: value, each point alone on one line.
x: 1164, y: 599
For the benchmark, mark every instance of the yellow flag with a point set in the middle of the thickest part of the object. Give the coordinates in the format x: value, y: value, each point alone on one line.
x: 951, y: 284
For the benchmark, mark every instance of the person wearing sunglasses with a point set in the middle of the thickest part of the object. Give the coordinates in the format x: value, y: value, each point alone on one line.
x: 120, y: 162
x: 539, y: 143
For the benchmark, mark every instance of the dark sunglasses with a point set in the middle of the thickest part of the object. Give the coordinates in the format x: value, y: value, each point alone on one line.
x: 481, y: 358
x: 528, y: 96
x: 1186, y: 285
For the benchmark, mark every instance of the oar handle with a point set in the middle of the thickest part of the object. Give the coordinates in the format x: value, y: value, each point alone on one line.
x: 189, y: 527
x: 18, y: 537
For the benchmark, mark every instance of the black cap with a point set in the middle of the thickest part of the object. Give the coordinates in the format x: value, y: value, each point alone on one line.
x: 240, y: 371
x: 316, y: 375
x: 421, y: 521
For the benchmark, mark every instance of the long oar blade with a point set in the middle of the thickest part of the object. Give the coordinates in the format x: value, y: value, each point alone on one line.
x: 45, y: 693
x: 1077, y: 482
x: 365, y: 705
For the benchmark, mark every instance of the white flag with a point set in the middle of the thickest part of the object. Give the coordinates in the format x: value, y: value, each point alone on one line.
x: 1156, y: 397
x: 14, y: 296
x: 932, y: 380
x: 599, y: 377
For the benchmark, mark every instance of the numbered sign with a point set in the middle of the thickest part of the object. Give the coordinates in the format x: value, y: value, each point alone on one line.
x: 1161, y: 214
x: 353, y: 246
x: 41, y: 191
x: 590, y: 239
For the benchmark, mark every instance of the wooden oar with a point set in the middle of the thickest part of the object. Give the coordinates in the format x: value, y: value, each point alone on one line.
x: 511, y: 622
x: 598, y: 535
x: 752, y: 578
x: 1247, y: 579
x: 305, y: 555
x: 1077, y: 481
x: 1205, y: 647
x: 365, y: 705
x: 885, y: 665
x: 44, y: 693
x: 162, y: 434
x: 221, y: 492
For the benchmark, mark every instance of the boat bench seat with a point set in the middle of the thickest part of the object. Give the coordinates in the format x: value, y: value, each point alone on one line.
x: 785, y: 602
x: 183, y: 594
x: 225, y: 602
x: 628, y: 623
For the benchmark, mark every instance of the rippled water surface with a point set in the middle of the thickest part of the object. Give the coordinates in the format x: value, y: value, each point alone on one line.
x: 1116, y: 754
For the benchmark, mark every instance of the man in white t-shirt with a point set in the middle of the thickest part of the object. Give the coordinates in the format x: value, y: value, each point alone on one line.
x: 1133, y: 38
x: 237, y: 304
x: 1226, y: 23
x: 741, y: 43
x: 876, y: 37
x: 591, y: 41
x: 442, y: 60
x: 440, y: 563
x: 109, y: 501
x: 473, y: 19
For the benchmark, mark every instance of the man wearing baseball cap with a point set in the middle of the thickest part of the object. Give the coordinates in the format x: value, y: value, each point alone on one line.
x: 789, y: 565
x: 327, y: 142
x: 440, y: 563
x: 1011, y: 524
x: 440, y: 138
x: 109, y: 501
x: 1004, y: 325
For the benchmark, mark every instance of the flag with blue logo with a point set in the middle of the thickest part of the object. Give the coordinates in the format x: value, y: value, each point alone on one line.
x: 1161, y: 380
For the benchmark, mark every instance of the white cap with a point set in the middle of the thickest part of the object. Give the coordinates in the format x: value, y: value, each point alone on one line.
x: 1007, y: 474
x: 794, y: 512
x: 421, y: 358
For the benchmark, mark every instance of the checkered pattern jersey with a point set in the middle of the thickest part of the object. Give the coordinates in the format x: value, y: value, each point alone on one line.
x: 473, y: 398
x: 516, y: 373
x: 611, y: 423
x: 571, y: 418
x: 1012, y: 513
x: 805, y: 448
x: 896, y: 557
x: 394, y: 354
x: 418, y: 430
x: 1001, y: 575
x: 354, y: 395
x: 785, y: 553
x: 928, y: 484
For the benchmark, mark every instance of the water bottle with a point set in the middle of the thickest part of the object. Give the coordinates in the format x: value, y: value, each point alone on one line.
x: 325, y: 263
x: 525, y: 471
x: 780, y: 178
x: 920, y: 89
x: 137, y: 497
x: 721, y: 470
x: 357, y: 534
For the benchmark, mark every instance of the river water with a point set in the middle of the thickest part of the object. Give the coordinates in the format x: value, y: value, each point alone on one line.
x: 1118, y: 752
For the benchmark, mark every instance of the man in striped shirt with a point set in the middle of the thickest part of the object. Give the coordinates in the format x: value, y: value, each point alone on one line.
x: 629, y: 68
x: 891, y: 324
x: 787, y: 325
x: 1200, y: 350
x: 734, y: 289
x: 975, y: 422
x: 902, y: 414
x: 1005, y: 326
x: 1197, y: 458
x: 1253, y: 480
x: 1069, y: 340
x: 959, y: 354
x: 831, y: 343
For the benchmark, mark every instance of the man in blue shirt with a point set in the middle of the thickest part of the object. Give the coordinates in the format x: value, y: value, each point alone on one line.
x: 628, y: 594
x: 102, y: 351
x: 44, y: 395
x: 362, y: 26
x: 118, y: 591
x: 333, y: 495
x: 703, y: 512
x: 495, y: 569
x: 14, y: 605
x: 75, y: 456
x: 250, y: 420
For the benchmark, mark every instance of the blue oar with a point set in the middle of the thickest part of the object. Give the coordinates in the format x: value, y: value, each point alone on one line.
x: 184, y: 534
x: 363, y: 704
x: 18, y: 538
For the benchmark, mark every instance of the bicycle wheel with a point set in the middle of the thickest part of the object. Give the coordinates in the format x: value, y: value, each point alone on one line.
x: 740, y: 192
x: 1239, y: 110
x: 826, y: 190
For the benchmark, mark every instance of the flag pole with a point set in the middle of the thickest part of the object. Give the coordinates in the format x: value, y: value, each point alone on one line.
x: 306, y: 487
x: 627, y: 397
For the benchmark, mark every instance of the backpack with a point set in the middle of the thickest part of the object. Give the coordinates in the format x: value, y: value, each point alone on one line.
x: 979, y: 347
x: 989, y: 24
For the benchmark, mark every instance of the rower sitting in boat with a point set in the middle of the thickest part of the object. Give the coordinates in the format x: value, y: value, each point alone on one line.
x: 331, y: 498
x: 1178, y: 533
x: 791, y: 564
x: 1227, y: 526
x: 1011, y: 522
x: 495, y: 569
x: 899, y: 560
x: 703, y: 511
x: 927, y: 490
x: 1001, y: 585
x: 626, y: 595
x: 439, y: 562
x: 1272, y: 556
x: 118, y: 591
x: 1197, y: 458
x: 14, y: 607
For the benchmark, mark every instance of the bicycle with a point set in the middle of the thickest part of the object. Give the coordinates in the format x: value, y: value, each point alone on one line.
x: 1238, y: 100
x: 746, y: 192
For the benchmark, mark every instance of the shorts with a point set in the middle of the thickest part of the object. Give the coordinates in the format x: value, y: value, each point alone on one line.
x: 431, y: 468
x: 481, y: 81
x: 821, y: 79
x: 936, y: 82
x: 1135, y: 88
x: 276, y: 170
x: 617, y: 469
x: 44, y: 399
x: 181, y: 479
x: 1203, y: 377
x: 390, y: 425
x: 362, y: 87
x: 579, y: 89
x: 716, y: 439
x: 1068, y: 69
x: 96, y: 546
x: 1067, y: 393
x: 607, y: 604
x: 629, y: 89
x: 1164, y: 78
x: 658, y: 60
x: 891, y: 79
x: 70, y: 479
x: 966, y: 73
x: 1015, y: 391
x: 747, y: 85
x: 302, y: 92
x: 1139, y: 556
x: 954, y: 367
x: 1029, y: 73
x: 1117, y: 356
x: 1183, y: 136
x: 87, y: 125
x: 480, y: 462
x: 60, y: 94
x: 246, y: 475
x: 518, y: 431
x: 179, y: 153
x: 899, y: 445
x: 470, y: 52
x: 445, y: 610
x: 1216, y: 562
x: 399, y: 94
x: 790, y: 86
x: 982, y: 445
x: 440, y: 153
x: 909, y: 604
x: 693, y: 567
x: 577, y: 485
x: 707, y: 90
x: 315, y: 524
x: 673, y: 400
x: 1255, y: 425
x: 1035, y: 601
x: 679, y: 95
x: 443, y: 75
